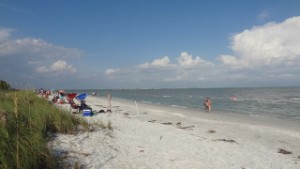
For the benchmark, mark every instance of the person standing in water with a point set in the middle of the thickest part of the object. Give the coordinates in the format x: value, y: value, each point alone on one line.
x: 207, y: 104
x: 108, y: 101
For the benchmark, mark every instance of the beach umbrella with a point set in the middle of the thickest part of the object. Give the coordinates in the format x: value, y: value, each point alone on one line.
x: 72, y: 95
x: 81, y: 96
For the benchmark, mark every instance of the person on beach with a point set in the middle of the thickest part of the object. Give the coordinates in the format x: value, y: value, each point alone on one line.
x: 207, y: 104
x: 61, y: 95
x: 83, y: 106
x: 108, y: 101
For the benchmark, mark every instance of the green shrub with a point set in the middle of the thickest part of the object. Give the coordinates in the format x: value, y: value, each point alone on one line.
x: 4, y: 85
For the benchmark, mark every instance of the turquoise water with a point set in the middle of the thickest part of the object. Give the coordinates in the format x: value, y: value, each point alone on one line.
x: 261, y: 102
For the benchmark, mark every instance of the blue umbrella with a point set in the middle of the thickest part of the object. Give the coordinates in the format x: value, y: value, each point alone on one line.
x: 81, y: 96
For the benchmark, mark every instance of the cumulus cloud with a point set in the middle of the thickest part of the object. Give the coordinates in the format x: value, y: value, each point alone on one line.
x: 262, y: 55
x: 162, y: 62
x: 59, y: 66
x: 30, y: 47
x: 184, y: 60
x: 33, y: 59
x: 266, y: 54
x: 184, y: 68
x: 268, y: 45
x: 187, y: 60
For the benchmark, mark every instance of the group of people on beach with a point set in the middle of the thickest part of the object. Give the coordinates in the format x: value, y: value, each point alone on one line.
x: 61, y: 97
x: 43, y: 92
x: 60, y: 94
x: 207, y: 102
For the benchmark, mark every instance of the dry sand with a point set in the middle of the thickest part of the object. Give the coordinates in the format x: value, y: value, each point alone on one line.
x: 156, y: 137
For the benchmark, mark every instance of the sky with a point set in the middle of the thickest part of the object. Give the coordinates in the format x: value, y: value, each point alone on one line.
x: 112, y: 44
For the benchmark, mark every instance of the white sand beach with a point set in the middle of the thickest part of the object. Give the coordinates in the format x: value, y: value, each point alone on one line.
x: 157, y: 137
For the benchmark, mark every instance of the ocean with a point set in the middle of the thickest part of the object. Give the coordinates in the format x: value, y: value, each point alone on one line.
x: 273, y: 102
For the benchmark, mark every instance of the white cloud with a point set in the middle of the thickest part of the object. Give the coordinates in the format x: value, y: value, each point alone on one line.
x: 229, y: 60
x: 187, y: 60
x: 260, y: 55
x: 30, y: 47
x: 111, y: 71
x: 59, y: 67
x: 162, y: 62
x: 267, y: 45
x: 184, y: 69
x: 184, y: 60
x: 33, y: 59
x: 263, y: 55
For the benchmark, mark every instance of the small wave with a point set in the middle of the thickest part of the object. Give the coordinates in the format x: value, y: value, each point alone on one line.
x: 147, y: 102
x: 295, y: 99
x: 165, y: 96
x: 184, y: 107
x: 256, y: 116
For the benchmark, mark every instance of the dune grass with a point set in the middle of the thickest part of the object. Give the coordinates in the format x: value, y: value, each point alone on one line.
x: 26, y: 122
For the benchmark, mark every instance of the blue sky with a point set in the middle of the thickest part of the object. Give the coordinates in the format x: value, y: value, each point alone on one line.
x: 150, y: 44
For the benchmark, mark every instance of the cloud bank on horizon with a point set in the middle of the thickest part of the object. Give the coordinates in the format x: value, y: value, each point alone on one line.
x: 262, y: 55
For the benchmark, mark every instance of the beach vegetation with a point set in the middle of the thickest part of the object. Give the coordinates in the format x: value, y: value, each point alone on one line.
x: 27, y: 123
x: 4, y: 85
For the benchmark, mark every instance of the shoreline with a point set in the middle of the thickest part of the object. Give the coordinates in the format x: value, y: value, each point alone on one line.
x: 288, y: 124
x: 280, y: 103
x: 165, y: 137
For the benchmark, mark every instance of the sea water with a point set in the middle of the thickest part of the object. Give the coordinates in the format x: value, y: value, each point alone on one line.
x: 279, y: 102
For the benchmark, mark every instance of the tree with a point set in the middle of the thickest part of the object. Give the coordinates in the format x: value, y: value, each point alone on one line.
x: 4, y: 85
